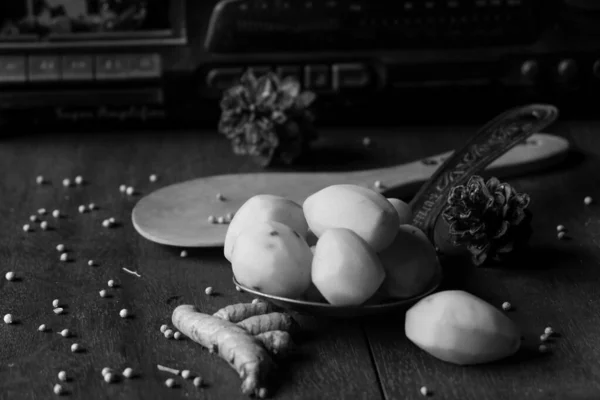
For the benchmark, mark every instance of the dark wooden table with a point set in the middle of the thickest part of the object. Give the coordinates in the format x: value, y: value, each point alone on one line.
x: 555, y: 283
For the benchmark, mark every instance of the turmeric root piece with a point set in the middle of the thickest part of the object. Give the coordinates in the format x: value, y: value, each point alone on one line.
x: 268, y: 322
x: 277, y: 342
x: 239, y: 312
x: 233, y: 343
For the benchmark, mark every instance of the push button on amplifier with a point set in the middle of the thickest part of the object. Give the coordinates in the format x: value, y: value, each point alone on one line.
x: 44, y: 68
x: 13, y: 69
x: 350, y: 76
x: 77, y: 68
x: 145, y: 66
x: 109, y: 67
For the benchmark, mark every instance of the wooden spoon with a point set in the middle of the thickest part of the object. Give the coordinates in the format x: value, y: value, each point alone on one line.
x: 177, y: 215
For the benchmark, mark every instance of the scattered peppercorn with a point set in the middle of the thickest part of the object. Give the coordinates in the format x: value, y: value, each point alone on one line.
x: 106, y: 370
x: 64, y: 257
x: 91, y: 263
x: 544, y: 337
x: 185, y: 374
x: 92, y: 206
x: 66, y: 182
x: 111, y: 283
x: 424, y: 391
x: 239, y: 289
x: 122, y: 188
x: 209, y: 291
x: 168, y: 333
x: 506, y: 306
x: 128, y: 373
x: 26, y: 228
x: 170, y: 382
x: 55, y: 303
x: 378, y: 184
x: 220, y: 197
x: 106, y: 223
x: 8, y: 319
x: 60, y: 247
x: 58, y: 310
x: 163, y: 328
x: 561, y: 228
x: 130, y: 191
x: 78, y: 179
x: 212, y: 219
x: 58, y: 389
x: 561, y: 235
x: 255, y: 301
x: 44, y: 225
x: 102, y: 293
x: 177, y: 335
x: 588, y: 200
x: 548, y: 330
x: 42, y: 211
x: 124, y: 313
x: 183, y: 254
x: 56, y: 213
x: 42, y: 328
x: 220, y: 220
x: 153, y: 178
x: 65, y: 333
x: 75, y: 347
x: 543, y: 348
x: 9, y: 276
x: 39, y: 179
x: 62, y: 375
x: 109, y: 377
x: 366, y: 141
x: 198, y: 381
x: 33, y: 218
x: 81, y: 209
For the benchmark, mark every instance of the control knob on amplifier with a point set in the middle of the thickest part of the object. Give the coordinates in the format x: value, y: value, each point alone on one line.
x: 567, y: 70
x: 529, y: 70
x: 596, y: 69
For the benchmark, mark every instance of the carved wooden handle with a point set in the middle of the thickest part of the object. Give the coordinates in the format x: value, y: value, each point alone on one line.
x: 492, y: 141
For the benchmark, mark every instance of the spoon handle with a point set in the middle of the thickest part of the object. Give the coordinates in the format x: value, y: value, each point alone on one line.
x: 490, y: 142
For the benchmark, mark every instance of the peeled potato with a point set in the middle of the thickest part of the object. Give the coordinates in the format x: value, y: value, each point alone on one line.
x: 403, y: 210
x: 363, y: 211
x: 459, y: 328
x: 264, y: 207
x: 272, y: 258
x: 410, y: 263
x: 345, y: 269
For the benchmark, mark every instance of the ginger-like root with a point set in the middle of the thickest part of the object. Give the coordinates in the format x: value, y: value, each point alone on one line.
x: 277, y: 342
x: 239, y: 312
x: 233, y: 343
x: 268, y: 322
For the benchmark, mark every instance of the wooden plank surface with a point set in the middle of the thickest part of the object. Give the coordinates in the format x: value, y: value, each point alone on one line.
x: 333, y: 360
x: 554, y: 284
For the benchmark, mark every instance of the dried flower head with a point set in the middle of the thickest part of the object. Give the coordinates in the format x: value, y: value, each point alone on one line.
x: 267, y: 117
x: 489, y: 218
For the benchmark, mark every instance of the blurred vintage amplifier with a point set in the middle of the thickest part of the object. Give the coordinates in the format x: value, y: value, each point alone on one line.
x: 169, y: 60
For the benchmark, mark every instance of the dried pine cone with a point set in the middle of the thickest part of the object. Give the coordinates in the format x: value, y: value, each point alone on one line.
x: 489, y: 218
x: 267, y: 118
